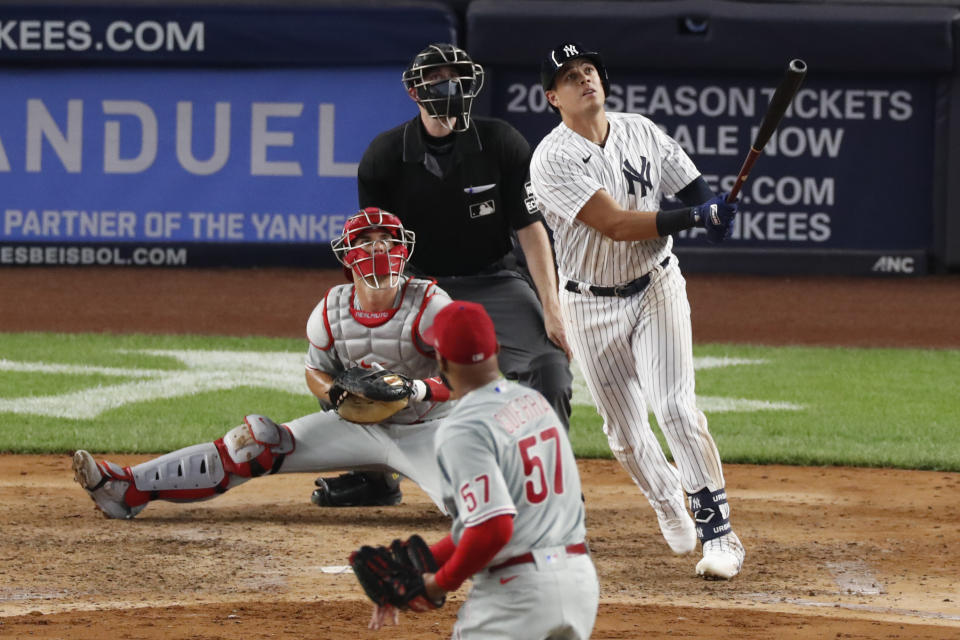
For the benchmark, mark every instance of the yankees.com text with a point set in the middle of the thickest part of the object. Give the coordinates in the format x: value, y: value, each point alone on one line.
x: 775, y: 226
x: 78, y: 35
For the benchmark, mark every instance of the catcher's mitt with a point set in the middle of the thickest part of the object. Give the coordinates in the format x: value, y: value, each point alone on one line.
x: 369, y: 396
x: 388, y: 581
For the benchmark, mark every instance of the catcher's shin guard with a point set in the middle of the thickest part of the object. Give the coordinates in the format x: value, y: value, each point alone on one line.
x: 252, y: 449
x: 358, y: 489
x: 107, y: 484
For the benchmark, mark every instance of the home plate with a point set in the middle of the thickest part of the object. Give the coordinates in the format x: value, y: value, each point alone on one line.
x: 337, y: 569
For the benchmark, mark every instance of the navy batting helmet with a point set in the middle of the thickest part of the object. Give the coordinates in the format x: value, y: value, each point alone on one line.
x: 564, y: 53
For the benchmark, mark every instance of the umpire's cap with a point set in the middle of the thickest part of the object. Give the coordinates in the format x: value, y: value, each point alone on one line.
x: 561, y: 54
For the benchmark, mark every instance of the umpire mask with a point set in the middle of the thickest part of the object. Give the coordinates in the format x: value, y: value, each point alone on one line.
x: 446, y: 81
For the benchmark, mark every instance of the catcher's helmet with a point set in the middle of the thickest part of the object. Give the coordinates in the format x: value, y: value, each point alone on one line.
x: 445, y: 97
x: 564, y: 53
x: 379, y: 266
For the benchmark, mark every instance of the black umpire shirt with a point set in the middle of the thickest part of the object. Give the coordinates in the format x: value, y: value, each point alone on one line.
x: 462, y: 194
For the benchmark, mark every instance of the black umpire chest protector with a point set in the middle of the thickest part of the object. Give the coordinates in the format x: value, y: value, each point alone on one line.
x: 463, y: 218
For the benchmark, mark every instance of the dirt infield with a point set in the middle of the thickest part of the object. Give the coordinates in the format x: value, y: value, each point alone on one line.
x: 831, y: 552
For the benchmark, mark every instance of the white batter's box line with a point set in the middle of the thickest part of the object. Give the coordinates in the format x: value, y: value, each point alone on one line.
x: 707, y: 404
x: 712, y: 404
x: 711, y: 362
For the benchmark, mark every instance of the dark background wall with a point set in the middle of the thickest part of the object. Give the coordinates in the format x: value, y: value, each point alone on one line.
x: 860, y: 178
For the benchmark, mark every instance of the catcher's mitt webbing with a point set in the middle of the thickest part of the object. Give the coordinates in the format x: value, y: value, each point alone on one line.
x: 373, y: 384
x: 369, y: 396
x: 387, y: 581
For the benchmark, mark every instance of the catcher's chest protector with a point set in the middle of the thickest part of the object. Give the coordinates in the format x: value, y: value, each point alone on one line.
x: 389, y: 344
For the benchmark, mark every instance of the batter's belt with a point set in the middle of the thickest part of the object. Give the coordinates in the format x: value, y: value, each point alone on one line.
x: 577, y: 549
x: 619, y: 291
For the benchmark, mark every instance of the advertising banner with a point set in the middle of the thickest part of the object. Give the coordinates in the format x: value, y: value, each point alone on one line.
x: 221, y: 35
x: 143, y: 159
x: 849, y: 168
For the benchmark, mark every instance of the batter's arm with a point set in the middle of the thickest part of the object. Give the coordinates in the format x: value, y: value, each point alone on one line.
x: 696, y: 192
x: 536, y: 248
x: 603, y: 213
x: 606, y: 216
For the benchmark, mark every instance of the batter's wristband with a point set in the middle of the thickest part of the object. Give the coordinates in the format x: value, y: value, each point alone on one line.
x: 675, y: 220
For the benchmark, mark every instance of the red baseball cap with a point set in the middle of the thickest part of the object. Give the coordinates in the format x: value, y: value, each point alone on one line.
x: 462, y: 332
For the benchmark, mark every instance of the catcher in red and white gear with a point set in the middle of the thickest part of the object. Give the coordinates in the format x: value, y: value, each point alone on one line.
x: 376, y: 322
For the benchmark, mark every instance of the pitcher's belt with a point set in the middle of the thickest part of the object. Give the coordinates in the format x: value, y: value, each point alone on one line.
x: 572, y: 550
x: 619, y: 291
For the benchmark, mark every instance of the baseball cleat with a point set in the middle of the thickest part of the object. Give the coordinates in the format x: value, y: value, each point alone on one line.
x: 677, y: 527
x: 358, y: 489
x: 85, y: 471
x: 105, y: 490
x: 722, y: 558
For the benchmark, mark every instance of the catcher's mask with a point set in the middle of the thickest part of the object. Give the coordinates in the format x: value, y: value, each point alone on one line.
x: 379, y: 262
x: 564, y: 53
x: 445, y: 97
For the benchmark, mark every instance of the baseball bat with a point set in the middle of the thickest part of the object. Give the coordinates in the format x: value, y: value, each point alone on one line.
x: 782, y: 97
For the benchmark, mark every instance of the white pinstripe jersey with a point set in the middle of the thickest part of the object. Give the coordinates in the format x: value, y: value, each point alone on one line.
x: 504, y: 451
x: 637, y: 164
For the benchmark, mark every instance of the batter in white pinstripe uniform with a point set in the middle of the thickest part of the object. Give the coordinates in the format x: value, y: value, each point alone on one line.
x: 599, y: 177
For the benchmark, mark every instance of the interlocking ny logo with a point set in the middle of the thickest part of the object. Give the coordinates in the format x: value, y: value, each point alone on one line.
x: 571, y: 50
x: 642, y: 177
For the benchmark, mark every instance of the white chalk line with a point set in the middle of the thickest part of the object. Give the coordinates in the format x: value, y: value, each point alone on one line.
x: 768, y: 598
x: 283, y: 371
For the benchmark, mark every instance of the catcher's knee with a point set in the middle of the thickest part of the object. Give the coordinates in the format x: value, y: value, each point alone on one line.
x: 256, y: 447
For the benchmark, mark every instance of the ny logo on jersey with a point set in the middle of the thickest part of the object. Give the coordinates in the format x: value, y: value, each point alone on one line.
x: 570, y: 50
x: 633, y: 177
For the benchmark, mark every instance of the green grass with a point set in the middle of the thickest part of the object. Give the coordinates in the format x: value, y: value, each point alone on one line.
x: 865, y: 407
x: 862, y: 407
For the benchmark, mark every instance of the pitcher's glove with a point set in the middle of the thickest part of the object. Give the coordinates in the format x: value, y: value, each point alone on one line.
x: 388, y: 581
x: 415, y: 553
x: 369, y: 396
